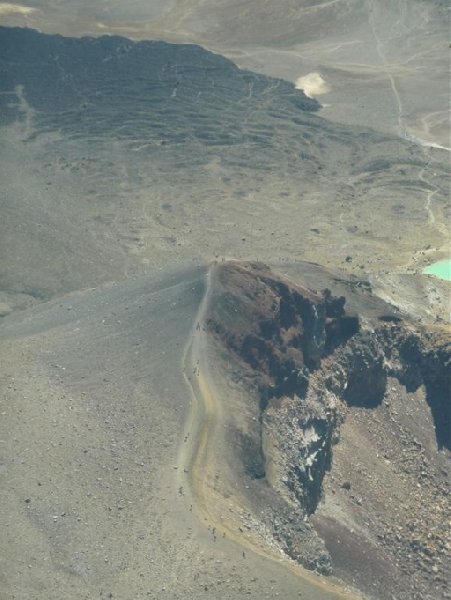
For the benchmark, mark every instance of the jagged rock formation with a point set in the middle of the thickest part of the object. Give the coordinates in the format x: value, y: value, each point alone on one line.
x: 280, y: 331
x: 313, y: 363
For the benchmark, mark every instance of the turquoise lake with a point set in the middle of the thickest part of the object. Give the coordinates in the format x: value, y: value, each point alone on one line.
x: 441, y: 269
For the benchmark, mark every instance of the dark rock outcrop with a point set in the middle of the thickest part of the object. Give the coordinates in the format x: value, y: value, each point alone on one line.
x: 312, y: 363
x: 280, y: 331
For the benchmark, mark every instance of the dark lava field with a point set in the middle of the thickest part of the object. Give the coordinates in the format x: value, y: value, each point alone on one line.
x: 223, y: 372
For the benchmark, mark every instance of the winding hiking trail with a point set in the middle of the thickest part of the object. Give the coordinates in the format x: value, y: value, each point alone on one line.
x: 199, y: 462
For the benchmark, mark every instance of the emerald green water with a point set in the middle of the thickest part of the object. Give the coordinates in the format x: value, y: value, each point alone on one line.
x: 441, y: 269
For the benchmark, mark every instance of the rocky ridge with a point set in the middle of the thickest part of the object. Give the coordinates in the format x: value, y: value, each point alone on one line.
x: 316, y: 367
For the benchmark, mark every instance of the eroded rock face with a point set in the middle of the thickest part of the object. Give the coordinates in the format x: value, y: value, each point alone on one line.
x: 313, y: 363
x: 423, y: 357
x: 279, y: 331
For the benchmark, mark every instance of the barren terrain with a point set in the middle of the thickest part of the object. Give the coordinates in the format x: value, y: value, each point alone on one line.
x: 384, y: 62
x: 96, y: 435
x: 344, y: 416
x: 144, y: 451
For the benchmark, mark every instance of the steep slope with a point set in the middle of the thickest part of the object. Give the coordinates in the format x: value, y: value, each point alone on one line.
x: 140, y: 429
x: 322, y: 377
x: 120, y: 159
x: 93, y: 493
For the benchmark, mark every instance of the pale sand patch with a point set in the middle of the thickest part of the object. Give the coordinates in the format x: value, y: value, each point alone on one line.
x: 14, y: 9
x: 312, y: 85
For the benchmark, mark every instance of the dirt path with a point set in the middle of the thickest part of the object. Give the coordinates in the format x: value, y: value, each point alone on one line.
x: 200, y: 460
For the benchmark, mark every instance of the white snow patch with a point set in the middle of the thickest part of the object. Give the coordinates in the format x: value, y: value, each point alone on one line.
x: 312, y: 85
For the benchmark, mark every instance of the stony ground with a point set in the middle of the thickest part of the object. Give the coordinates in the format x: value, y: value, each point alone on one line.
x: 137, y: 160
x: 366, y: 409
x: 387, y: 499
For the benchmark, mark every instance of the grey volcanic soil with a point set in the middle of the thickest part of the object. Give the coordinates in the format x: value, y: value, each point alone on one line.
x: 121, y: 160
x: 135, y: 156
x: 93, y: 409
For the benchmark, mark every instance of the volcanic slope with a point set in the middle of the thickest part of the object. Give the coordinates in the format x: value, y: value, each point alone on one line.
x: 138, y: 155
x: 97, y: 432
x: 336, y: 427
x: 134, y: 157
